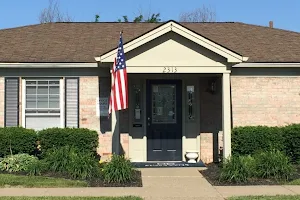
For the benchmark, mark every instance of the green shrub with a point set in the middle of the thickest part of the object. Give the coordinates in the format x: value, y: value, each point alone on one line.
x: 14, y: 140
x: 273, y: 164
x: 118, y: 170
x: 80, y: 138
x: 250, y: 139
x: 37, y: 167
x: 17, y: 163
x: 72, y: 162
x: 292, y: 142
x: 237, y: 169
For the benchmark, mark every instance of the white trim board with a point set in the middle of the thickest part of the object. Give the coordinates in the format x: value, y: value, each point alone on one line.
x: 48, y: 65
x: 261, y: 65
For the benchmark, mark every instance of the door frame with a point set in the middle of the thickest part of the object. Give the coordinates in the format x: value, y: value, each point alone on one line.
x: 148, y: 107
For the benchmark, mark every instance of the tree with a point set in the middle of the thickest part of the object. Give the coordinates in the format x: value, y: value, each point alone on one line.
x: 203, y: 14
x: 53, y: 14
x: 97, y: 17
x: 154, y: 18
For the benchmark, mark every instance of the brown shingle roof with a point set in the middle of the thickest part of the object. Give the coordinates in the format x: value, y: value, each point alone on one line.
x: 81, y: 42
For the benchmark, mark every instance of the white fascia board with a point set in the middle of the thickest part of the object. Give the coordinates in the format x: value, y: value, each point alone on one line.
x: 260, y: 65
x: 48, y: 65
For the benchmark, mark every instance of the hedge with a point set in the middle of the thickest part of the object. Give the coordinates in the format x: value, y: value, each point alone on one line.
x: 250, y: 139
x: 292, y: 141
x: 81, y: 138
x: 17, y: 140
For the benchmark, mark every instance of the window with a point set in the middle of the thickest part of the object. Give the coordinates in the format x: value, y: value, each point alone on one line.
x: 190, y: 100
x: 42, y: 103
x: 137, y: 98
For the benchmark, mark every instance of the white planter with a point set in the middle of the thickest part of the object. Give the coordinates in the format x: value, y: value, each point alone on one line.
x: 192, y: 156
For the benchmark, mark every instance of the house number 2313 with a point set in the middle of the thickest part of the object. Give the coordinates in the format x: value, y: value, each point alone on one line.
x: 170, y: 70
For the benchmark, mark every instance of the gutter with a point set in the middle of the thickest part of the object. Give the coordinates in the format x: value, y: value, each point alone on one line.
x: 267, y: 65
x: 48, y: 65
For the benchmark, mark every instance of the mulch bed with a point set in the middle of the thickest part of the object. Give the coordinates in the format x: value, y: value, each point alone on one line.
x: 137, y: 182
x: 211, y: 174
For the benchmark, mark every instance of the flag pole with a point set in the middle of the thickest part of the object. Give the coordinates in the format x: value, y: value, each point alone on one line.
x: 119, y: 95
x: 115, y: 127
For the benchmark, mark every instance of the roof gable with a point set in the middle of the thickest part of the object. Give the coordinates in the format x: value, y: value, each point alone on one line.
x: 173, y: 50
x: 173, y: 26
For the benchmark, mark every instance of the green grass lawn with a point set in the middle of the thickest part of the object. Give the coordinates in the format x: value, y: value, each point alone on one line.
x: 11, y: 180
x: 280, y: 197
x: 71, y: 198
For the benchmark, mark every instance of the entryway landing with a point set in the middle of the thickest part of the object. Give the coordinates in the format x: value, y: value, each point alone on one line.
x: 167, y: 164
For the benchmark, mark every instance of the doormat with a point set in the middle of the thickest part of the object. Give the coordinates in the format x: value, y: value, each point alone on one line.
x: 167, y: 164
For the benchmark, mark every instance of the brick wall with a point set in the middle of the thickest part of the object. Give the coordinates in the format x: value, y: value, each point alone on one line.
x: 89, y: 91
x: 105, y: 135
x: 1, y: 101
x: 210, y: 121
x: 271, y: 101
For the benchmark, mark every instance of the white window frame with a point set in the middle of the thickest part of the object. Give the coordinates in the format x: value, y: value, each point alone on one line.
x: 61, y: 100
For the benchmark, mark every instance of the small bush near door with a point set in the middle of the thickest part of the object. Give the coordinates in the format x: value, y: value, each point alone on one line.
x: 237, y: 169
x: 273, y: 164
x: 83, y: 139
x: 265, y: 165
x: 118, y: 170
x: 14, y: 140
x: 72, y: 162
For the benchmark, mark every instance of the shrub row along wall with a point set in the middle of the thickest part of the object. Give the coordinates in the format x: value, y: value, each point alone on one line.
x: 15, y: 140
x: 250, y: 139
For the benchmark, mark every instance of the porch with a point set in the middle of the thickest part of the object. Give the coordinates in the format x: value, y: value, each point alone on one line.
x: 190, y: 119
x: 179, y: 96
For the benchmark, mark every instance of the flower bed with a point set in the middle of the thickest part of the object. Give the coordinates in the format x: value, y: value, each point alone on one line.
x: 212, y: 174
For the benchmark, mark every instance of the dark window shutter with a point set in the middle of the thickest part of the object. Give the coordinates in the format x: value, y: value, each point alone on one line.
x: 11, y: 101
x: 72, y: 102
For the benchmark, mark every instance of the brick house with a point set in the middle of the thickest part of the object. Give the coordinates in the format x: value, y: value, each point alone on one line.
x: 189, y: 83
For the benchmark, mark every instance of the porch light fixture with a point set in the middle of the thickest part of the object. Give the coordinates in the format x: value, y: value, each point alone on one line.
x: 212, y: 86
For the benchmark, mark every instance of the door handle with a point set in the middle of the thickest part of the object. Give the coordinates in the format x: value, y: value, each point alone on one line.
x: 148, y: 121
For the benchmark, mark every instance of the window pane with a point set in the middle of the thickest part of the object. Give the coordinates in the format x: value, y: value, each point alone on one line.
x: 30, y: 90
x: 54, y: 82
x: 54, y: 89
x: 30, y: 101
x: 54, y: 101
x: 163, y: 103
x: 42, y: 90
x: 42, y: 101
x: 43, y: 82
x: 30, y: 82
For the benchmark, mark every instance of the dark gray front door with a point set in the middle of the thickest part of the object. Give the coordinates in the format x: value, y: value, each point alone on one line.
x: 164, y: 120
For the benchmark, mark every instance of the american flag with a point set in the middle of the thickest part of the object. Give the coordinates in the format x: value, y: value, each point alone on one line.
x: 119, y: 92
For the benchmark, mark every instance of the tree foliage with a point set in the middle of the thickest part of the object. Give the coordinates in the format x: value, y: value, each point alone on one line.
x: 53, y: 14
x: 202, y: 14
x: 154, y: 18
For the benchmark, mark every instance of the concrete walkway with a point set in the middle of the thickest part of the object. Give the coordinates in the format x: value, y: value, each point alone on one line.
x: 162, y: 184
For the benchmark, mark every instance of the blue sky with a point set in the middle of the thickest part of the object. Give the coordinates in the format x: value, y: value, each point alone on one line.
x: 285, y: 14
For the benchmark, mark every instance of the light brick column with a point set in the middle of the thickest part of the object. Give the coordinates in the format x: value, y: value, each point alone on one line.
x: 89, y: 93
x: 226, y: 114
